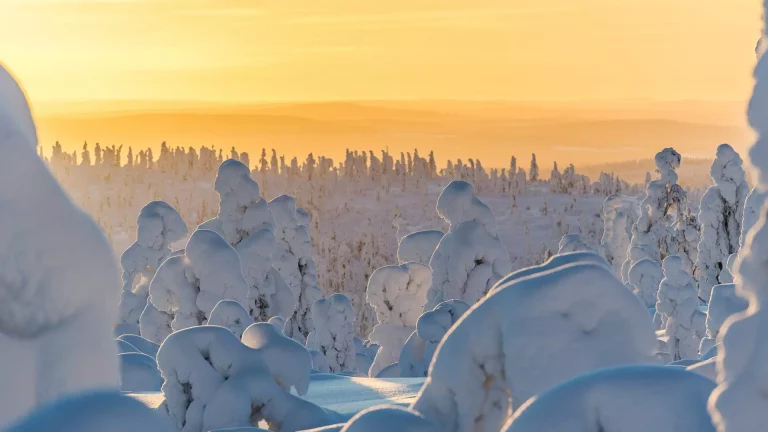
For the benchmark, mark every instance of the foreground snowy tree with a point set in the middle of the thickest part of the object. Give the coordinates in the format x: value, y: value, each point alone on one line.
x: 471, y: 258
x: 721, y: 213
x: 397, y: 293
x: 246, y: 223
x: 740, y: 402
x: 189, y: 286
x: 293, y: 259
x: 677, y: 302
x: 538, y: 331
x: 60, y: 282
x: 644, y: 278
x: 159, y: 226
x: 723, y: 302
x: 231, y: 315
x: 608, y: 400
x: 616, y: 232
x: 213, y: 381
x: 334, y: 332
x: 418, y: 247
x: 432, y: 326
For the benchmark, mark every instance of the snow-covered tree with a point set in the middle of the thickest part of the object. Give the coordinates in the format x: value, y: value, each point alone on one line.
x: 293, y: 259
x: 60, y: 281
x: 609, y: 400
x: 740, y: 402
x: 533, y: 173
x: 723, y: 302
x: 334, y: 332
x: 397, y: 293
x: 753, y: 208
x: 616, y: 232
x: 677, y: 302
x: 721, y: 213
x: 471, y: 258
x: 158, y: 226
x: 231, y: 315
x: 189, y: 286
x: 419, y: 246
x: 431, y: 327
x: 539, y: 330
x: 573, y: 243
x: 644, y: 278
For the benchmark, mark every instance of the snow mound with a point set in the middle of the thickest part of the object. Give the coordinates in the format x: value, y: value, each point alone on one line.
x: 60, y: 282
x: 627, y: 399
x: 319, y: 362
x: 231, y: 315
x: 723, y: 303
x: 418, y: 247
x: 432, y: 326
x: 189, y: 286
x: 536, y: 332
x: 125, y: 347
x: 573, y: 243
x: 706, y: 368
x: 143, y: 345
x: 556, y: 261
x: 212, y: 380
x: 644, y: 278
x: 288, y: 360
x: 397, y: 294
x: 278, y: 322
x: 389, y: 418
x: 94, y: 412
x: 138, y: 373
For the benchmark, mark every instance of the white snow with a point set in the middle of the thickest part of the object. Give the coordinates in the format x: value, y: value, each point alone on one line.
x: 143, y: 345
x: 573, y: 243
x: 334, y: 332
x: 644, y: 277
x: 139, y: 373
x: 398, y: 294
x: 471, y: 258
x: 677, y: 302
x: 419, y: 246
x: 432, y: 326
x: 723, y: 303
x: 231, y: 315
x: 60, y: 282
x: 389, y: 418
x: 528, y: 336
x: 626, y: 399
x: 559, y: 260
x: 189, y: 286
x: 617, y: 231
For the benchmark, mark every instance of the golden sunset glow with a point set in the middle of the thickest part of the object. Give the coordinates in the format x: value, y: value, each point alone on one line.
x: 72, y: 52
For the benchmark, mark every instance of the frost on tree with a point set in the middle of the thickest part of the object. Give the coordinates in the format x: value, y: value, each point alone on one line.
x: 230, y: 315
x: 678, y: 304
x: 189, y: 286
x: 293, y: 259
x: 721, y: 214
x: 159, y: 225
x: 418, y: 247
x: 723, y: 303
x: 246, y: 223
x: 617, y: 231
x: 334, y: 332
x: 537, y: 331
x: 60, y: 281
x: 644, y: 278
x: 397, y: 293
x: 432, y: 326
x: 666, y: 225
x: 740, y: 402
x: 471, y: 258
x: 626, y: 399
x: 573, y: 243
x: 213, y: 381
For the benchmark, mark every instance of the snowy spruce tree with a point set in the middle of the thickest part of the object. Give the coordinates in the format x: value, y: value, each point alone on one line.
x: 721, y: 213
x: 334, y: 334
x: 617, y: 230
x: 293, y: 259
x: 158, y: 226
x: 740, y: 402
x: 677, y: 302
x: 533, y: 173
x: 471, y: 258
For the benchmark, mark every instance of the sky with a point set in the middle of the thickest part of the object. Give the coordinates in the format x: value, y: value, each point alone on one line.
x: 248, y: 51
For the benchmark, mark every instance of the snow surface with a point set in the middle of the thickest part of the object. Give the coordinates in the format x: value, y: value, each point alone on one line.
x: 537, y: 331
x: 389, y: 418
x: 397, y: 293
x: 143, y: 345
x: 419, y: 349
x: 470, y: 258
x: 334, y: 332
x: 59, y: 295
x: 139, y: 373
x: 626, y: 399
x: 418, y: 247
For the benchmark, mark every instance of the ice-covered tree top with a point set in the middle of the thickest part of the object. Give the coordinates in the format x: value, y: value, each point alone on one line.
x: 727, y: 172
x: 159, y: 225
x: 667, y: 162
x: 457, y: 204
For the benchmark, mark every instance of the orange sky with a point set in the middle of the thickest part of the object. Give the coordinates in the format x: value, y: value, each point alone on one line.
x: 278, y: 50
